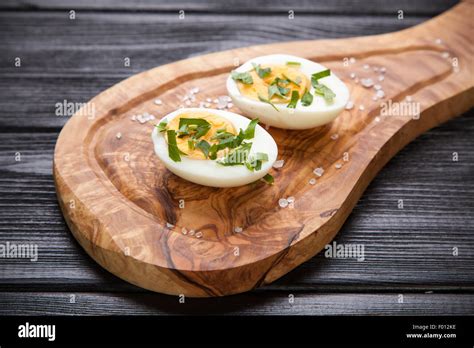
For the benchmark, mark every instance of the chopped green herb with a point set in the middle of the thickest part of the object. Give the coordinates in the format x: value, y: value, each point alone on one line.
x: 307, y: 98
x: 162, y: 126
x: 277, y: 87
x: 173, y: 150
x: 267, y: 101
x: 193, y: 121
x: 255, y: 162
x: 320, y: 75
x: 191, y: 144
x: 321, y: 89
x: 261, y: 72
x: 278, y: 91
x: 279, y: 81
x: 325, y: 92
x: 197, y: 126
x: 243, y: 77
x: 295, y: 82
x: 249, y: 132
x: 294, y: 99
x: 213, y: 152
x: 293, y: 63
x: 268, y: 178
x: 204, y: 147
x: 236, y: 157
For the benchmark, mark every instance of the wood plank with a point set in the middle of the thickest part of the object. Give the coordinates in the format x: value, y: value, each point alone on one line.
x: 255, y: 303
x: 425, y: 7
x: 409, y: 248
x: 87, y: 55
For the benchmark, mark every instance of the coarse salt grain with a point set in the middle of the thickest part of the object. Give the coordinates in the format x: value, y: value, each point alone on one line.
x: 334, y: 136
x: 291, y: 199
x: 377, y: 87
x: 191, y: 232
x: 361, y: 107
x: 366, y: 66
x: 349, y: 105
x: 158, y: 102
x: 445, y: 54
x: 338, y: 166
x: 278, y: 164
x: 184, y: 231
x: 208, y: 100
x: 380, y: 93
x: 230, y: 106
x: 381, y: 78
x: 367, y: 83
x: 169, y: 226
x: 312, y: 181
x: 383, y: 70
x: 352, y: 75
x: 199, y: 234
x: 238, y: 229
x: 119, y: 135
x: 282, y: 202
x: 377, y: 119
x: 352, y: 60
x: 408, y: 98
x: 318, y: 171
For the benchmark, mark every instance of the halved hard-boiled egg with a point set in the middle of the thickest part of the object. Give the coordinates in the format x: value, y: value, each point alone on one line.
x: 214, y: 147
x: 288, y: 92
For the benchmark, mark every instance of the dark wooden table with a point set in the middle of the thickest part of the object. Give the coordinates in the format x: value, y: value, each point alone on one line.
x: 408, y: 251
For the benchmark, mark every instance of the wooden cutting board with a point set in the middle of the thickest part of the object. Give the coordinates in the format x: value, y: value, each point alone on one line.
x: 120, y: 202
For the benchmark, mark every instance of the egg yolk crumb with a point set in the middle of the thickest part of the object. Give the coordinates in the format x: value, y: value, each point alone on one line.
x: 289, y: 78
x: 217, y: 124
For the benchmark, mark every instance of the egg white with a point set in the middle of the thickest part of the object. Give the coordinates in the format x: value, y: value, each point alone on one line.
x: 301, y: 117
x: 208, y: 172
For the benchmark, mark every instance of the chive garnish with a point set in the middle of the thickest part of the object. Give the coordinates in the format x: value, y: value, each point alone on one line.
x: 191, y: 144
x: 267, y: 101
x: 255, y: 162
x: 295, y: 82
x: 236, y: 157
x: 321, y: 74
x: 293, y: 63
x: 162, y: 126
x: 261, y: 72
x: 307, y: 98
x: 197, y: 127
x: 325, y: 92
x: 173, y: 150
x: 321, y: 89
x: 204, y: 147
x: 294, y: 99
x: 268, y: 178
x: 243, y: 77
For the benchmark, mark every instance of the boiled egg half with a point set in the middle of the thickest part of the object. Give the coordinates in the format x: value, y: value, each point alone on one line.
x: 288, y: 92
x: 214, y: 147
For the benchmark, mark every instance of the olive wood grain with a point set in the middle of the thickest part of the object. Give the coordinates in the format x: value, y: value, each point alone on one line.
x: 117, y: 198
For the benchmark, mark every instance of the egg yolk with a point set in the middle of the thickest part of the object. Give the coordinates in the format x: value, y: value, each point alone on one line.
x: 217, y: 124
x: 291, y: 79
